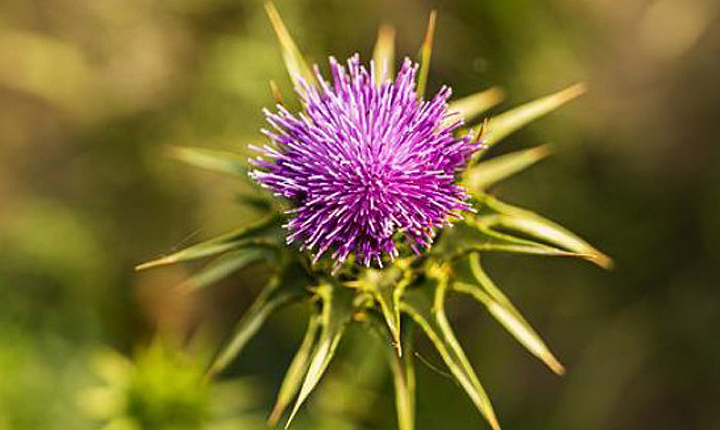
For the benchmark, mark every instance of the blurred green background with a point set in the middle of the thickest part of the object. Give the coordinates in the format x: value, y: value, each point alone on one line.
x: 93, y: 92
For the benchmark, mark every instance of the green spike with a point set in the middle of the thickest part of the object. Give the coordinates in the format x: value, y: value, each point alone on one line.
x: 537, y: 227
x: 477, y: 234
x: 500, y: 307
x: 429, y: 314
x: 402, y: 367
x: 264, y: 233
x: 285, y: 287
x: 212, y: 159
x: 336, y: 314
x: 297, y: 370
x: 508, y: 122
x: 384, y: 53
x: 403, y: 371
x: 293, y: 58
x: 386, y: 287
x: 225, y: 265
x: 426, y: 54
x: 488, y: 173
x: 469, y: 107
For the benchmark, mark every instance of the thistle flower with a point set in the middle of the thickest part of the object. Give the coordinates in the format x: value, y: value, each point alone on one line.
x: 365, y: 162
x: 371, y: 167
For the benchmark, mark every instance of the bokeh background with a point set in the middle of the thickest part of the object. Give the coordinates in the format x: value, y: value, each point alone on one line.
x: 94, y: 92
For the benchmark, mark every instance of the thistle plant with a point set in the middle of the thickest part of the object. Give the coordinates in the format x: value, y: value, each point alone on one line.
x: 379, y: 209
x: 163, y: 386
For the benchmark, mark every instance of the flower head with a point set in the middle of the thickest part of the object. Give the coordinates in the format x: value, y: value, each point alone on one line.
x: 370, y: 168
x: 365, y: 164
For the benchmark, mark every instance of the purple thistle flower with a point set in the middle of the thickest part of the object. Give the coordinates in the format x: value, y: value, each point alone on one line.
x: 365, y: 164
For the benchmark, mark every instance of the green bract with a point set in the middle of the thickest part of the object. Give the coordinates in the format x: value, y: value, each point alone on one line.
x: 411, y: 291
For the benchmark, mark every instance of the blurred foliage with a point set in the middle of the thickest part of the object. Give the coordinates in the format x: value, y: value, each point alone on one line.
x: 164, y: 388
x: 92, y: 93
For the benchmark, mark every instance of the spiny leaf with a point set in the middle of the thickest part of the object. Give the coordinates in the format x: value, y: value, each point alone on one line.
x: 262, y: 233
x: 284, y: 288
x: 539, y: 228
x: 469, y: 107
x: 294, y: 60
x: 225, y: 265
x: 391, y: 311
x: 426, y: 306
x: 514, y: 119
x: 212, y: 159
x: 384, y: 291
x: 486, y: 292
x: 386, y: 287
x: 425, y: 54
x: 487, y: 173
x: 403, y: 371
x: 265, y: 305
x: 337, y: 311
x: 348, y: 397
x: 228, y: 163
x: 384, y: 54
x: 297, y: 370
x: 402, y: 367
x: 276, y: 93
x: 495, y: 228
x: 477, y: 233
